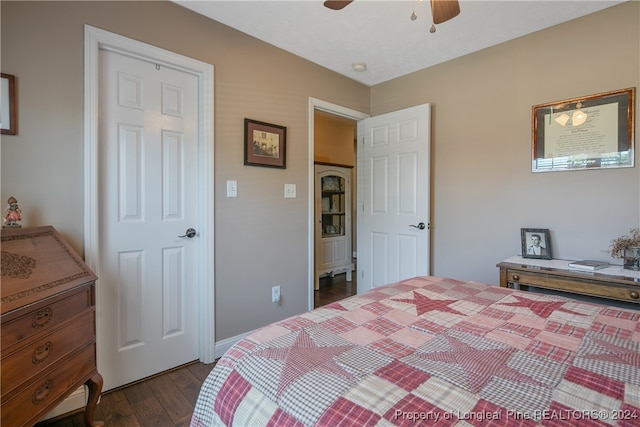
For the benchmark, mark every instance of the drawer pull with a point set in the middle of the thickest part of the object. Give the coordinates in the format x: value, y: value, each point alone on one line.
x: 42, y: 392
x: 516, y: 277
x: 42, y: 317
x: 634, y: 295
x: 41, y: 353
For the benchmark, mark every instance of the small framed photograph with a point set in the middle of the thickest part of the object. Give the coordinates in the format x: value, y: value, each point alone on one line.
x: 264, y: 144
x: 536, y: 243
x: 8, y: 121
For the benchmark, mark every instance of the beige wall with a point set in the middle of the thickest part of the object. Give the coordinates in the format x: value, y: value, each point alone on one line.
x: 483, y: 190
x: 334, y: 139
x: 42, y: 44
x: 482, y: 187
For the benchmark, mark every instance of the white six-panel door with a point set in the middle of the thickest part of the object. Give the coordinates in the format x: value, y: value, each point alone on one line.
x: 148, y: 146
x: 393, y: 197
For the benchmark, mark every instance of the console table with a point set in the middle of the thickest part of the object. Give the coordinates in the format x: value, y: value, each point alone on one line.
x: 612, y: 282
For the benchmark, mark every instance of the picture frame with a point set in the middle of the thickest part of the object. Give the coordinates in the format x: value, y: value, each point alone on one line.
x: 536, y: 243
x: 589, y: 132
x: 8, y: 118
x: 265, y: 144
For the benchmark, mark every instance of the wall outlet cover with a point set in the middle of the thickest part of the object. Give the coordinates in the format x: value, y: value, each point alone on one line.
x: 275, y: 294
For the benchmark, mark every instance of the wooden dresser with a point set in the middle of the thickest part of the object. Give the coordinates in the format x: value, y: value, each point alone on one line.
x: 48, y: 326
x: 613, y: 282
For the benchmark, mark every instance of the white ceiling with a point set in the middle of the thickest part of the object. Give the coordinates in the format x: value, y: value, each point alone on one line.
x: 381, y: 33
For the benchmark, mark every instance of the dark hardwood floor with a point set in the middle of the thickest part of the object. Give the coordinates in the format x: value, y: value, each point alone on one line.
x: 165, y: 400
x: 168, y: 399
x: 334, y: 289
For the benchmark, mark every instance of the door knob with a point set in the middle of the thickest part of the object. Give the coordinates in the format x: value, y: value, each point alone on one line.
x: 420, y: 226
x: 189, y: 233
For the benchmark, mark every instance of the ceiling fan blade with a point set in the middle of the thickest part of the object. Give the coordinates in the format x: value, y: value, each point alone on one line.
x: 443, y: 10
x: 336, y: 4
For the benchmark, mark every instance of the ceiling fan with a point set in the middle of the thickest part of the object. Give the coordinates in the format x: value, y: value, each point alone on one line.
x: 442, y: 10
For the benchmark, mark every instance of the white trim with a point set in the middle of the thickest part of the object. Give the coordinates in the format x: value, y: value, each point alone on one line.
x: 318, y: 104
x: 95, y: 40
x: 76, y: 400
x: 227, y: 343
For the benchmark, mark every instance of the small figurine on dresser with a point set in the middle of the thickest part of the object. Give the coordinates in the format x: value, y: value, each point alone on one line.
x: 13, y: 214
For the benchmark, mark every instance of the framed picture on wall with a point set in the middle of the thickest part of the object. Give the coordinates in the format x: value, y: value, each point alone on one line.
x: 536, y: 243
x: 590, y: 132
x: 8, y: 120
x: 264, y: 144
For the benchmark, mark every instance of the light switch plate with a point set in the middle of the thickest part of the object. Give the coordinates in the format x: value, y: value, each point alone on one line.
x: 232, y: 188
x: 289, y: 191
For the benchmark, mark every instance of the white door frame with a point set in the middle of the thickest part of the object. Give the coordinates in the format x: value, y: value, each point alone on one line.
x: 318, y: 104
x: 95, y: 40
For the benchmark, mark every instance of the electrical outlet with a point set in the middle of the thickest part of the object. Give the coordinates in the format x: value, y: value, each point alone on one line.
x: 275, y: 295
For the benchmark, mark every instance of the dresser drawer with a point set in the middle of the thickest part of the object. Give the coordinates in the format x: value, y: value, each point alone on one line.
x: 45, y: 316
x: 580, y: 286
x: 28, y: 361
x: 56, y: 382
x: 47, y: 326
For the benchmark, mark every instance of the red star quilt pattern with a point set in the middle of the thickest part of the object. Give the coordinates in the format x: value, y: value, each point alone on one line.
x: 433, y: 351
x: 425, y: 304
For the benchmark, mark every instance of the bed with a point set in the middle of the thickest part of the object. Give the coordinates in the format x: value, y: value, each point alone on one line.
x: 429, y: 350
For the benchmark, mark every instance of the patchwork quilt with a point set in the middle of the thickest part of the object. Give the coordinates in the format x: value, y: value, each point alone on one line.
x: 429, y: 351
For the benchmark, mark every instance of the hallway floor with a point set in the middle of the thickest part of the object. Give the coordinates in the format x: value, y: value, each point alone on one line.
x: 334, y: 289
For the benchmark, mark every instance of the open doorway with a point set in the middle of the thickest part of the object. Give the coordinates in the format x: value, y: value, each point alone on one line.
x: 393, y: 152
x: 334, y: 206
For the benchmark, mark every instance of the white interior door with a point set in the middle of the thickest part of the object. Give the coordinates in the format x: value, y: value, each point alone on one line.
x: 393, y: 196
x: 148, y: 170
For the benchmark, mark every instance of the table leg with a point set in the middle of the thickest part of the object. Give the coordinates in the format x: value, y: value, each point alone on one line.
x: 95, y: 387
